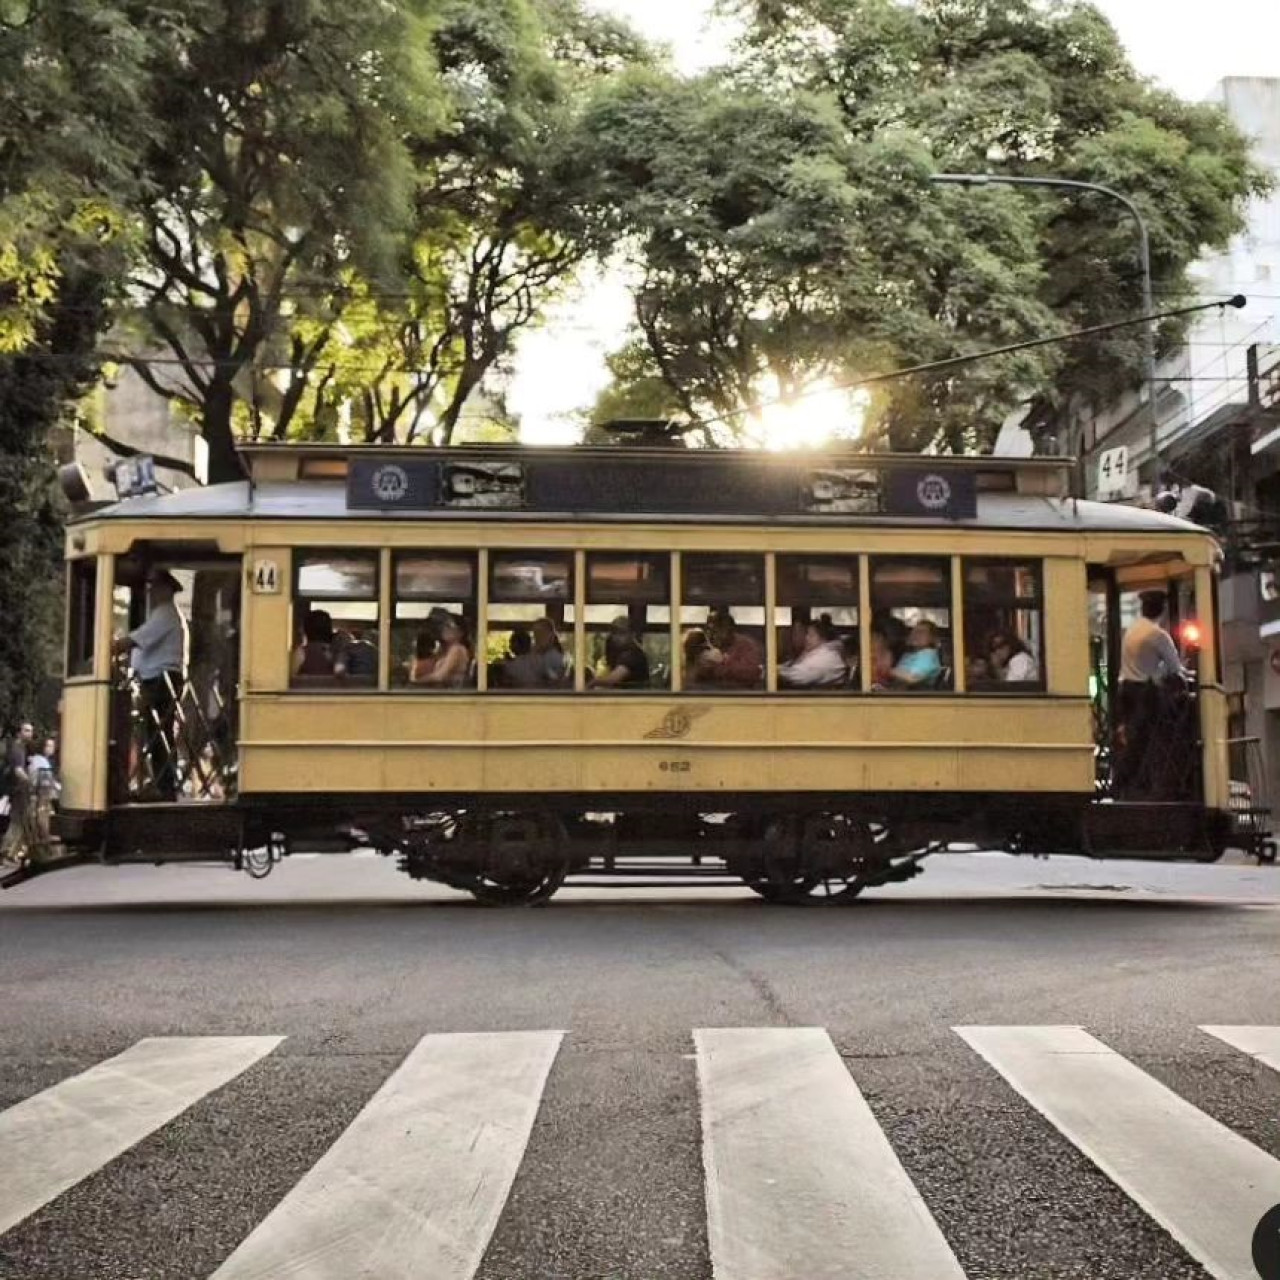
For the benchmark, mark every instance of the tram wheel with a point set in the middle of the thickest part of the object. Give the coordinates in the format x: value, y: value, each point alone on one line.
x: 815, y: 861
x: 518, y: 892
x: 522, y: 857
x: 806, y: 891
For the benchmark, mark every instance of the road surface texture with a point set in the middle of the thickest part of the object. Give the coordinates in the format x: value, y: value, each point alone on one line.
x: 1008, y: 1069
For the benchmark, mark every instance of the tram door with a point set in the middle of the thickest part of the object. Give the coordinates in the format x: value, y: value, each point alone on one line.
x: 177, y: 743
x: 1104, y: 666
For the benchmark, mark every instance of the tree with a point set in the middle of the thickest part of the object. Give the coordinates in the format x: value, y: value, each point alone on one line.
x: 505, y: 212
x: 73, y: 114
x: 282, y: 163
x: 788, y: 232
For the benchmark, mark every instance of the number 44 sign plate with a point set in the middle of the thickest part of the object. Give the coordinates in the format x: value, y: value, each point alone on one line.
x: 1115, y: 479
x: 266, y: 578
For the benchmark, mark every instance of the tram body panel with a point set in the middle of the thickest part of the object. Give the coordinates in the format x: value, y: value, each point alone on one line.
x: 322, y: 750
x: 86, y: 731
x: 456, y: 742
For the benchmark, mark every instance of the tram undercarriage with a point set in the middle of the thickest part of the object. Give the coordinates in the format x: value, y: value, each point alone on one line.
x: 798, y: 849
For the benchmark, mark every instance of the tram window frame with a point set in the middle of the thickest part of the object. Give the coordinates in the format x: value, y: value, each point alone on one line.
x: 302, y: 604
x: 444, y: 599
x: 927, y: 610
x: 82, y: 617
x: 977, y: 598
x: 509, y: 608
x: 647, y: 612
x: 798, y: 603
x: 735, y: 601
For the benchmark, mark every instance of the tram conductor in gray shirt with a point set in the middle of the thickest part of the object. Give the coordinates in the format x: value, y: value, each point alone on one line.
x: 158, y: 656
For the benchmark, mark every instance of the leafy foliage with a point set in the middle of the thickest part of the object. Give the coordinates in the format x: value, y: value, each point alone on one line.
x: 505, y: 211
x: 786, y: 226
x: 72, y: 118
x: 282, y: 162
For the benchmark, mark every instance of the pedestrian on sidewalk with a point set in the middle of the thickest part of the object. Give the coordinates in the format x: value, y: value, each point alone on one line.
x: 19, y: 837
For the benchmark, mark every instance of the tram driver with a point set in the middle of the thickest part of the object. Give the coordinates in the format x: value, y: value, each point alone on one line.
x: 1151, y: 678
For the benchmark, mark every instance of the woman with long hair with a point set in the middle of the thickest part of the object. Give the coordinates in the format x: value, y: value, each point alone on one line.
x: 452, y: 666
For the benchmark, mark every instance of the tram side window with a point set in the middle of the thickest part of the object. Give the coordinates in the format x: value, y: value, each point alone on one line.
x: 911, y: 637
x: 628, y: 620
x: 722, y: 621
x: 433, y: 623
x: 1004, y: 625
x: 335, y: 620
x: 531, y: 620
x: 817, y: 621
x: 82, y: 589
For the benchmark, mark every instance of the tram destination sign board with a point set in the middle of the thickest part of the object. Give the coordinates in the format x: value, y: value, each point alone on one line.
x: 682, y: 485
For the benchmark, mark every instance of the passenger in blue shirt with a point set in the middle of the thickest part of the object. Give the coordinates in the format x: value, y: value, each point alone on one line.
x: 921, y: 665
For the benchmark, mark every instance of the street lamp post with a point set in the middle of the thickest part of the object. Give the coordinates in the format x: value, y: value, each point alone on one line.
x: 1144, y: 252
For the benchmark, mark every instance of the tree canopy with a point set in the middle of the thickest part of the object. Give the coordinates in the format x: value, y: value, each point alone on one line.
x: 73, y: 116
x: 786, y: 229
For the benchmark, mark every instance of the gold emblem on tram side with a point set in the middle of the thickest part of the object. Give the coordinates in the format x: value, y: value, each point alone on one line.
x: 677, y: 722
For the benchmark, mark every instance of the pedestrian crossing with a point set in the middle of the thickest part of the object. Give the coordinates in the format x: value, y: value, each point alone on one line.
x: 800, y: 1178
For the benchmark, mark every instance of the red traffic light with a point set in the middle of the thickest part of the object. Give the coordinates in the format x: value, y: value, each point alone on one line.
x: 1191, y: 635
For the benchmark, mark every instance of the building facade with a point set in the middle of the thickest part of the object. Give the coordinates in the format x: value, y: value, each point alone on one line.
x: 1216, y: 402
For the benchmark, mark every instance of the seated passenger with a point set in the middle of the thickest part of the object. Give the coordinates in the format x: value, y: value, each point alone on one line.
x: 426, y: 650
x: 523, y: 669
x: 921, y: 666
x: 627, y: 665
x: 796, y: 640
x: 314, y: 657
x: 894, y: 632
x: 823, y: 661
x: 699, y: 658
x: 734, y: 660
x: 882, y: 661
x: 977, y: 671
x: 452, y: 666
x: 550, y: 652
x: 355, y: 655
x: 1012, y: 660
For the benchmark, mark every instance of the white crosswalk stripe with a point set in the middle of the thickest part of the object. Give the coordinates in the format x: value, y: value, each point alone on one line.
x: 800, y: 1179
x: 1203, y: 1183
x: 1262, y: 1043
x: 59, y: 1137
x: 415, y: 1185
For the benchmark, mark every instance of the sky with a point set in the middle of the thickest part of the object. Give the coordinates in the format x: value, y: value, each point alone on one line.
x: 1187, y: 45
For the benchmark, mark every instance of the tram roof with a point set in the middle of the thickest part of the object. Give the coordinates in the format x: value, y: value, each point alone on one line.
x: 327, y: 501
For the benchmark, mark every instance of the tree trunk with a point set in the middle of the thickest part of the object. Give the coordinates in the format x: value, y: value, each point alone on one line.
x: 224, y: 466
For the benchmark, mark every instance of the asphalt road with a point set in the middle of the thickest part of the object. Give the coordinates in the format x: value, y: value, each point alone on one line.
x: 361, y: 970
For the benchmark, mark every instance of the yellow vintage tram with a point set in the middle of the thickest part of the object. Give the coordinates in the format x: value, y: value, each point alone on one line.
x: 512, y: 667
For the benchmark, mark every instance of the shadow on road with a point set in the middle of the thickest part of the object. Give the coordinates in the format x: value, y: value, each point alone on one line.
x: 1074, y: 901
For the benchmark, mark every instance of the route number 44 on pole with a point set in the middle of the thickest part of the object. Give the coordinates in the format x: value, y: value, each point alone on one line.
x: 266, y: 577
x: 1115, y: 477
